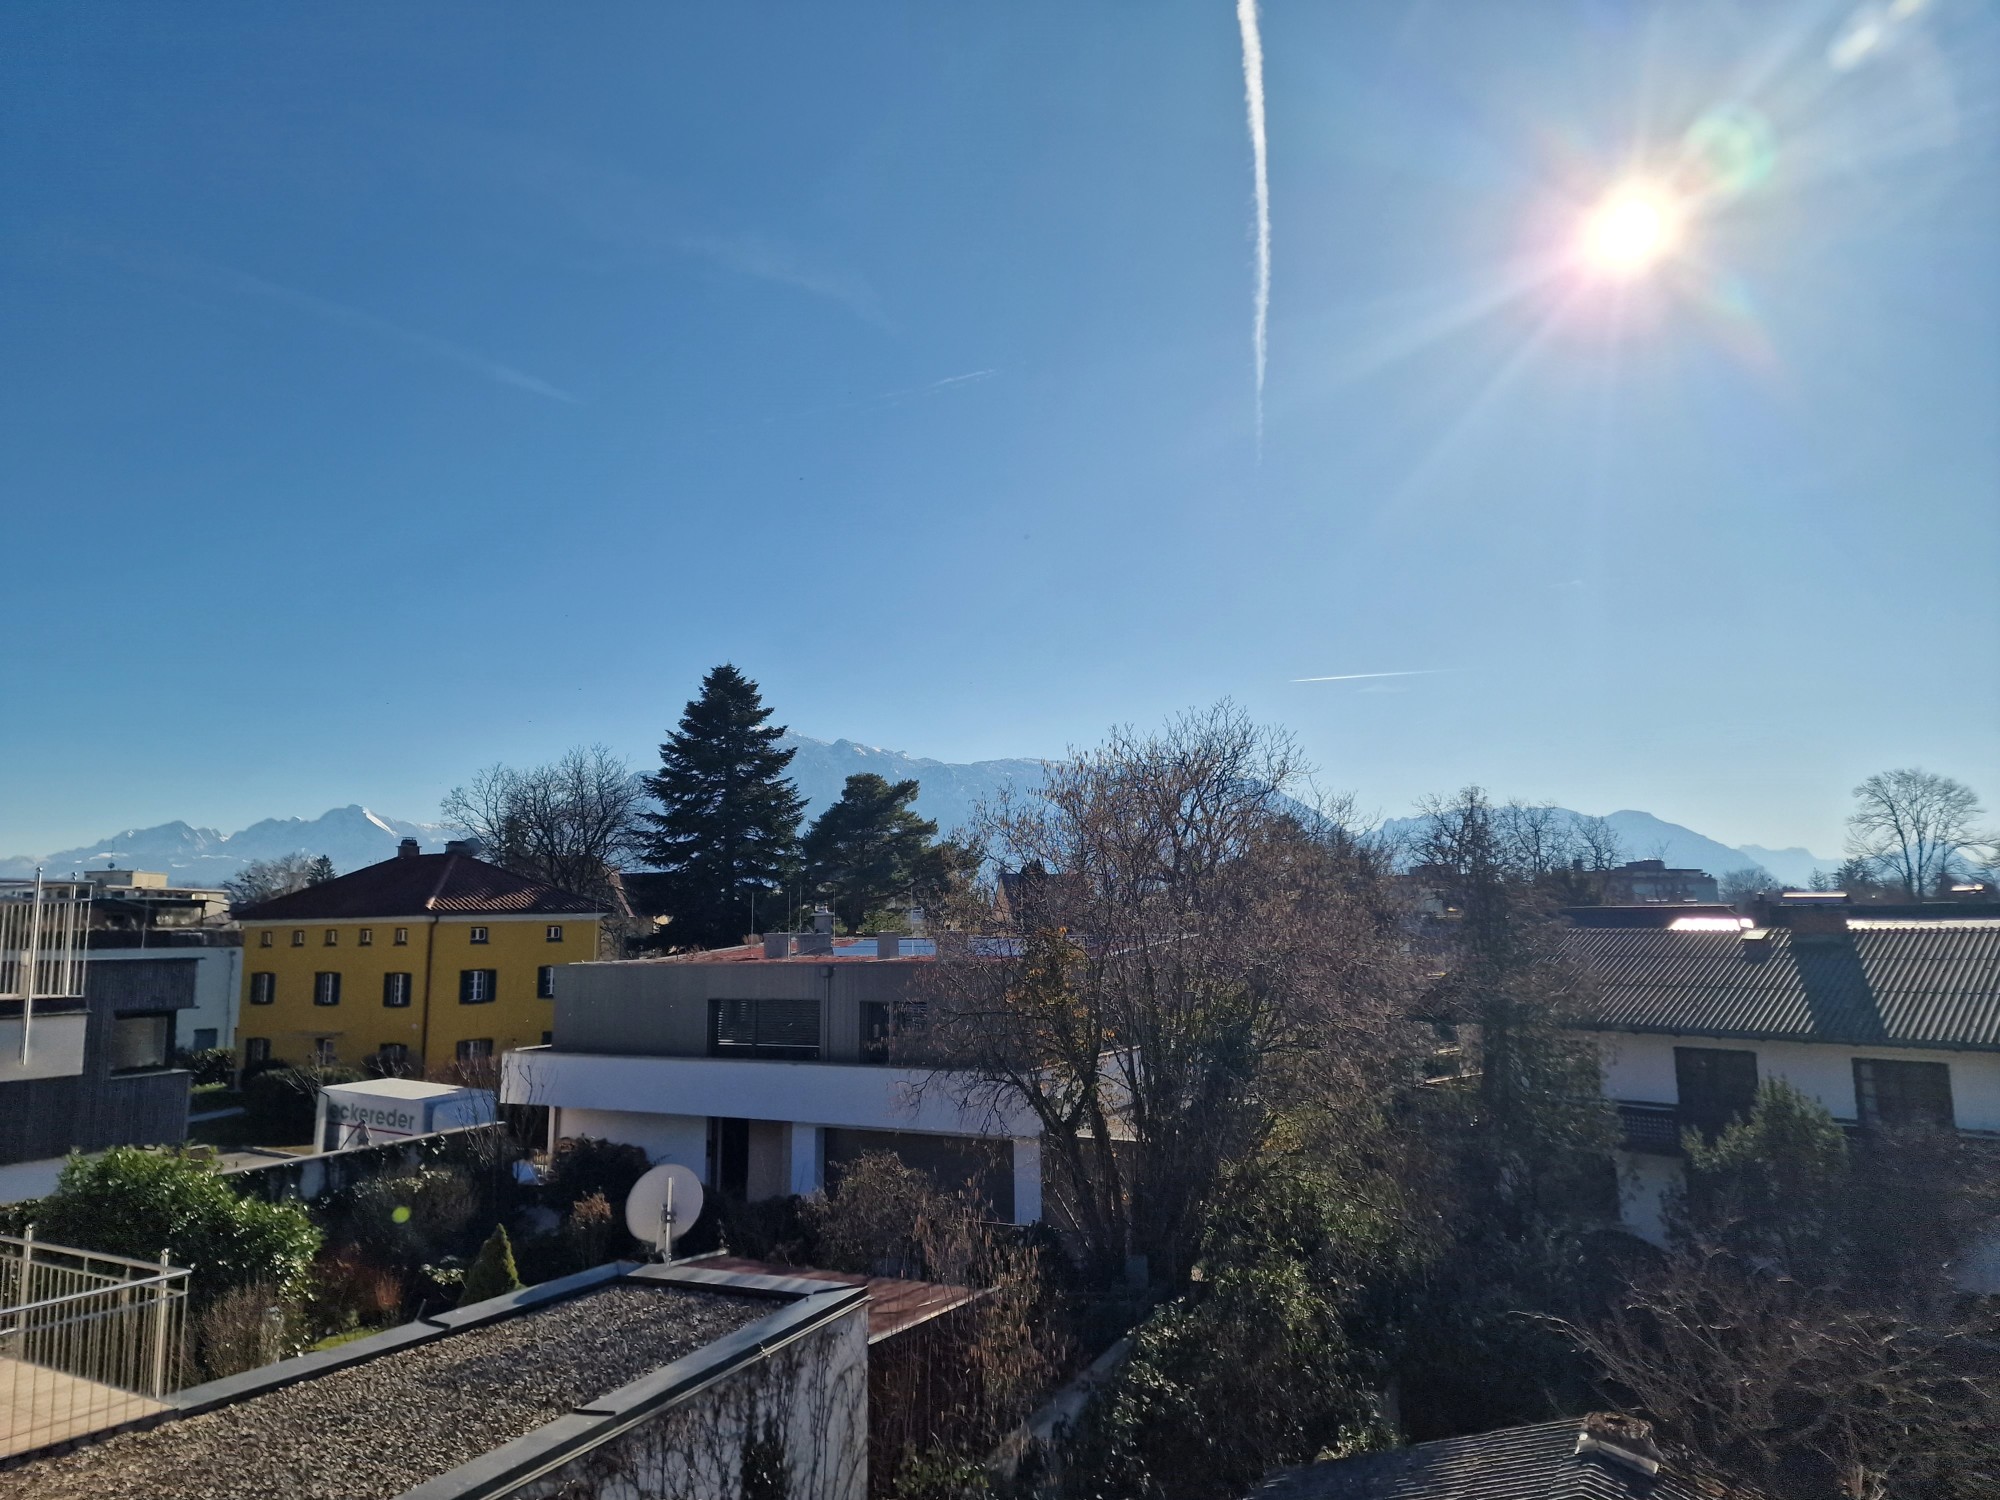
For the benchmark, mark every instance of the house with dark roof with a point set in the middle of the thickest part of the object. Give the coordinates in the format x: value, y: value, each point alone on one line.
x: 423, y: 963
x: 1887, y: 1021
x: 1603, y: 1456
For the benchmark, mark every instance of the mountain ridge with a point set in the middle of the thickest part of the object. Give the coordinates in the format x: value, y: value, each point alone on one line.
x: 950, y: 792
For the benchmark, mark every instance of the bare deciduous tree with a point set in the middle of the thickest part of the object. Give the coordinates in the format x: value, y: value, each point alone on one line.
x: 569, y: 822
x: 1801, y: 1390
x: 1737, y: 887
x: 1914, y: 827
x: 265, y: 879
x: 1175, y: 942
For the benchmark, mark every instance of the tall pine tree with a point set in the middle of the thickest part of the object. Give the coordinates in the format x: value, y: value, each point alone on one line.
x: 727, y: 831
x: 869, y: 851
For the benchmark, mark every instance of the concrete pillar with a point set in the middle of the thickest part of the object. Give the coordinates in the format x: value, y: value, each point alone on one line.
x: 805, y: 1145
x: 1027, y: 1179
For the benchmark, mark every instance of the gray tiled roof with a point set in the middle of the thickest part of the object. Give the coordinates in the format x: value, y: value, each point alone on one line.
x: 1515, y: 1463
x: 1884, y: 983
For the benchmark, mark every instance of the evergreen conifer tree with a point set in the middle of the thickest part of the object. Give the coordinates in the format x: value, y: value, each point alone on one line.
x: 320, y: 871
x: 492, y: 1272
x: 726, y: 834
x: 869, y: 850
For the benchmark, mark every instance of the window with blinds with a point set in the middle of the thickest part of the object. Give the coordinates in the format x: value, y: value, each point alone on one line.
x: 763, y: 1028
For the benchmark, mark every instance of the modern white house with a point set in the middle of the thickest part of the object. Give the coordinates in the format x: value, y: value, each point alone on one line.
x: 764, y: 1069
x: 1885, y: 1021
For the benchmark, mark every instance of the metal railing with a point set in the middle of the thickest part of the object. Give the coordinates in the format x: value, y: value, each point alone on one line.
x: 87, y: 1340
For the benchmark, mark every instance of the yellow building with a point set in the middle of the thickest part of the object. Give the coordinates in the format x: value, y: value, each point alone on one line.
x: 429, y: 963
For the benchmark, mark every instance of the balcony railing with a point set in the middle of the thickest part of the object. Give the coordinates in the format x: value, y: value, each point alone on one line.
x: 87, y: 1341
x: 1654, y: 1129
x: 43, y: 929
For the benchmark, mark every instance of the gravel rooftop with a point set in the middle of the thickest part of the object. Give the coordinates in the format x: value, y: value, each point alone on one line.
x: 374, y: 1430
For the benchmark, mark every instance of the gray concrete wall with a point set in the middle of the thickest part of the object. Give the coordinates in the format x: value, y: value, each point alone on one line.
x: 806, y: 1401
x: 654, y: 1008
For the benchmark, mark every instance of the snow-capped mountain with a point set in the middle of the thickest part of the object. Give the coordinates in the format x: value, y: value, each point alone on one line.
x: 350, y: 836
x: 946, y: 792
x: 353, y: 836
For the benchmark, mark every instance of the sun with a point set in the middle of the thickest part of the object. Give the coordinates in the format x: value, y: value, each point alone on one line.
x: 1631, y: 230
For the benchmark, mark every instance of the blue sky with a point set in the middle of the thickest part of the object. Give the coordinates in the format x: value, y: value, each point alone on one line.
x: 395, y: 389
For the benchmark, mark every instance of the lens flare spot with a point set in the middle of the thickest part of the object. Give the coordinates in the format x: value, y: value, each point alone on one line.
x: 1730, y: 150
x: 1634, y: 228
x: 401, y: 1214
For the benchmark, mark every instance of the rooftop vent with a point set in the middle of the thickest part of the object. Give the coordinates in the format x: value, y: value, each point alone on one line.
x: 1757, y: 944
x: 1622, y: 1440
x: 822, y: 920
x: 889, y: 945
x: 777, y: 945
x: 408, y: 849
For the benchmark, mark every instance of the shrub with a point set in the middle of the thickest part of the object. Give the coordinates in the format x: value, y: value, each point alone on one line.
x: 582, y: 1165
x: 349, y: 1291
x: 136, y: 1202
x: 493, y: 1273
x: 209, y: 1065
x: 243, y: 1329
x: 590, y: 1230
x: 411, y: 1217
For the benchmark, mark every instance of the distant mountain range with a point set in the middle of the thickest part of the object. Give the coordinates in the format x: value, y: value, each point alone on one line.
x: 353, y: 836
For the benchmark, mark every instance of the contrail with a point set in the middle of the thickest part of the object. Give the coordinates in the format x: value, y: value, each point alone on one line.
x: 1253, y: 97
x: 1358, y: 676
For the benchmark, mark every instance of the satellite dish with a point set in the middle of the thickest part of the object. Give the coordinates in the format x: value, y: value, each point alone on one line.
x: 663, y: 1206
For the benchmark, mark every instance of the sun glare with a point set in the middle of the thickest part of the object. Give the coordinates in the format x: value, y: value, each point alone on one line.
x: 1631, y: 231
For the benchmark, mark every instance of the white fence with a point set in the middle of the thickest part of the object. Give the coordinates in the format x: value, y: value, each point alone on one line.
x: 87, y: 1340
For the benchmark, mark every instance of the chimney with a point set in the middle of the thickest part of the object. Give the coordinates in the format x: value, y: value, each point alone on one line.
x: 1814, y: 914
x: 777, y: 945
x: 408, y: 849
x: 1622, y: 1440
x: 822, y: 920
x: 460, y: 846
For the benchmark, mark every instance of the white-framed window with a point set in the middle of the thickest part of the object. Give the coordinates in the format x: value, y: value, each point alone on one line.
x: 298, y: 937
x: 263, y: 988
x: 256, y: 1051
x: 326, y: 988
x: 366, y: 937
x: 555, y: 932
x: 479, y: 934
x: 395, y: 1056
x: 475, y: 1049
x: 333, y: 937
x: 325, y: 1053
x: 402, y: 936
x: 545, y: 982
x: 477, y: 986
x: 264, y: 938
x: 395, y: 990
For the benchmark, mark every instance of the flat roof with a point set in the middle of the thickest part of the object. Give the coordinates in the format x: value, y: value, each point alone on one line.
x: 400, y: 1088
x: 437, y: 1398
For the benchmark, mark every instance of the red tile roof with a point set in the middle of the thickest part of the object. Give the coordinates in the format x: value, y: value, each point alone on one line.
x: 422, y: 885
